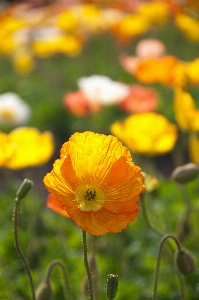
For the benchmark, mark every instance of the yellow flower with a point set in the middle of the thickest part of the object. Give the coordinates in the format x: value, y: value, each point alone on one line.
x: 146, y: 133
x: 131, y: 25
x: 96, y: 182
x: 192, y: 71
x: 32, y: 148
x: 150, y: 182
x: 69, y: 45
x: 194, y: 148
x: 156, y: 12
x: 67, y: 21
x: 23, y: 60
x: 6, y: 149
x: 187, y: 116
x: 188, y: 25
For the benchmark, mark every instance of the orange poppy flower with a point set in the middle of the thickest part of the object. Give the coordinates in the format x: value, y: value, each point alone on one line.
x: 54, y: 204
x: 96, y: 182
x: 139, y: 99
x: 79, y: 105
x: 156, y: 70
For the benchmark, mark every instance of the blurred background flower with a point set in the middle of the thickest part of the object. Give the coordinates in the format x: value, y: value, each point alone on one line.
x: 145, y: 49
x: 140, y: 99
x: 194, y: 147
x: 6, y: 149
x: 146, y: 133
x: 79, y: 105
x: 13, y: 110
x: 187, y: 116
x: 30, y: 147
x: 102, y: 89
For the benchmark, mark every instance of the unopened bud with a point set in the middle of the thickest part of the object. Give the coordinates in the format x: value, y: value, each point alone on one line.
x: 111, y: 286
x: 24, y: 189
x: 186, y: 173
x: 44, y: 291
x: 184, y: 261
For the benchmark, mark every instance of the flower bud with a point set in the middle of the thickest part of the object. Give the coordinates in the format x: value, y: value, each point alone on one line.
x: 184, y: 261
x: 150, y: 182
x: 111, y: 286
x: 44, y: 291
x: 24, y: 189
x: 186, y: 173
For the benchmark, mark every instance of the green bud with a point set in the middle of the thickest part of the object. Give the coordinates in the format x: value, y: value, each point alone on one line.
x: 184, y: 261
x: 44, y: 291
x: 111, y: 286
x: 186, y: 173
x: 24, y: 189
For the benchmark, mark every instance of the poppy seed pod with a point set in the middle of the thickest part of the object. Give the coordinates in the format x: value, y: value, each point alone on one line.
x: 185, y: 173
x: 44, y: 291
x: 111, y: 286
x: 24, y: 189
x: 184, y: 261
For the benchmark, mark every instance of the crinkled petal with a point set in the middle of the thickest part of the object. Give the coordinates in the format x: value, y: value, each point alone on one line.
x: 61, y: 186
x: 94, y: 154
x: 103, y: 221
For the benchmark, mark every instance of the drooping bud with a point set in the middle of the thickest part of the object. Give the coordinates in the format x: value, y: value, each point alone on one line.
x: 150, y: 182
x: 44, y: 291
x: 111, y: 286
x: 184, y: 261
x: 186, y: 173
x: 24, y: 189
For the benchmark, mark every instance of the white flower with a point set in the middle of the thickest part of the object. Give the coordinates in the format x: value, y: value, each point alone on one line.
x: 13, y: 110
x: 102, y: 89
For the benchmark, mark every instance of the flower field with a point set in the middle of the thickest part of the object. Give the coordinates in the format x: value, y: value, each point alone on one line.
x: 99, y: 150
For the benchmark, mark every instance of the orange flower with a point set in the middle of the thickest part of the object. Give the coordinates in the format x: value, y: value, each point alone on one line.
x: 79, y: 105
x: 156, y: 70
x: 96, y: 182
x: 139, y: 99
x: 56, y: 205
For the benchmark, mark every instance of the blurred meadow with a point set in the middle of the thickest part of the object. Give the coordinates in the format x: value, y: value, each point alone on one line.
x: 169, y: 205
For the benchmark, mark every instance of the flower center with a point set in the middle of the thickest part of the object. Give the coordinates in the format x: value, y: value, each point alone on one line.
x: 89, y: 197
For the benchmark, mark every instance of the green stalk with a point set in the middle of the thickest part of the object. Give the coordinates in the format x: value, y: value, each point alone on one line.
x: 19, y: 251
x: 90, y: 284
x: 158, y: 259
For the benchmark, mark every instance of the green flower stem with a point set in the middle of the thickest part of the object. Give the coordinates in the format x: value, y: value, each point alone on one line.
x: 17, y: 245
x: 146, y: 216
x: 66, y: 286
x: 158, y: 259
x: 90, y: 284
x: 186, y: 198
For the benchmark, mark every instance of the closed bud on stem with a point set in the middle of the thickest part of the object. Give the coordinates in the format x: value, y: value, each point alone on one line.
x: 111, y: 286
x: 184, y: 261
x: 44, y: 291
x: 186, y: 173
x: 24, y: 189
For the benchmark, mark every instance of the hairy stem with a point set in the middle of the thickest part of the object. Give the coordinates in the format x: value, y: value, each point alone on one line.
x: 19, y: 251
x: 90, y: 284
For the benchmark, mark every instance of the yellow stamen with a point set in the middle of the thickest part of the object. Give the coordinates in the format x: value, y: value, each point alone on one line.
x: 89, y: 197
